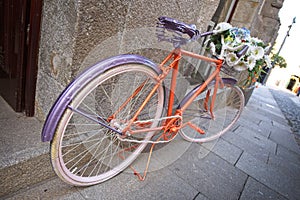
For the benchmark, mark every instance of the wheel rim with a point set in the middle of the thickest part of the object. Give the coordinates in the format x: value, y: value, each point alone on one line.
x: 122, y: 153
x: 227, y: 109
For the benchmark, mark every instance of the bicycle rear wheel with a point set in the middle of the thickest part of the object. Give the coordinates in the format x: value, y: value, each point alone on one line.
x: 227, y: 109
x: 84, y: 152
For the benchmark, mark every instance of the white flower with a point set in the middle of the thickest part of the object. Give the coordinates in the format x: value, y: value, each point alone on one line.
x: 235, y: 48
x: 223, y: 26
x: 256, y: 40
x: 228, y: 45
x: 241, y: 66
x: 251, y: 62
x: 257, y: 52
x: 268, y: 61
x: 231, y: 59
x: 212, y: 48
x: 267, y: 48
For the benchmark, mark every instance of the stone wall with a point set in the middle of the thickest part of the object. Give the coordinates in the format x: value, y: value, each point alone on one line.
x: 267, y: 23
x: 76, y: 34
x: 59, y: 22
x: 259, y: 16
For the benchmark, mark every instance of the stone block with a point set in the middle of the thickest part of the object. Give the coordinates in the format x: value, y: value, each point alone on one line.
x: 25, y: 174
x: 288, y: 155
x: 254, y: 124
x: 270, y: 176
x: 282, y: 125
x: 285, y: 139
x: 271, y: 8
x: 6, y: 111
x: 162, y: 184
x: 246, y: 145
x: 285, y: 165
x: 48, y: 90
x: 256, y: 190
x: 226, y: 150
x: 245, y: 13
x: 20, y: 140
x: 57, y: 37
x: 257, y: 139
x: 51, y: 189
x: 212, y: 176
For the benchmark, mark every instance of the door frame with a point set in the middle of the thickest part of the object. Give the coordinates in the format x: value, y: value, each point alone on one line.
x: 33, y: 39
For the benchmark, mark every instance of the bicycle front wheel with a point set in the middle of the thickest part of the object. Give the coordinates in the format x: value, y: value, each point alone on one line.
x: 84, y: 152
x: 228, y: 106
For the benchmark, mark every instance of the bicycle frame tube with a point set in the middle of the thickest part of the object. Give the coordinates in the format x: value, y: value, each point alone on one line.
x: 214, y: 75
x: 162, y: 76
x: 175, y: 56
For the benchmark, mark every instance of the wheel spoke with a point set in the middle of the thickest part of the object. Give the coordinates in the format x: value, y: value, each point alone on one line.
x: 227, y: 109
x: 86, y: 147
x: 94, y: 119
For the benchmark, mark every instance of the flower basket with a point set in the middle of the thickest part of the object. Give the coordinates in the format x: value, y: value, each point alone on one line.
x: 239, y: 50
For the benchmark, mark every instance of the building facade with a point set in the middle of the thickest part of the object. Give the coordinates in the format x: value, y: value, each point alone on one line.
x: 75, y: 34
x: 259, y: 16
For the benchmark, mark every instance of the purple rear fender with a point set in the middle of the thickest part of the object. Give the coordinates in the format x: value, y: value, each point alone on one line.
x: 90, y: 73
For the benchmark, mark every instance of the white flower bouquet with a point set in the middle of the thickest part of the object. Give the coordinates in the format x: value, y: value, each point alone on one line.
x: 228, y: 41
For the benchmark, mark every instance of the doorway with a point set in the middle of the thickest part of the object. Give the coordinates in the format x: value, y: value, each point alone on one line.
x: 19, y: 44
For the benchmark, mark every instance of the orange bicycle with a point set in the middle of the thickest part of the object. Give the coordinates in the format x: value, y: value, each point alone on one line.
x: 108, y: 114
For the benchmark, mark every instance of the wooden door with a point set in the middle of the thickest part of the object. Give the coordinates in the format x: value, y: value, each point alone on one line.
x: 19, y: 42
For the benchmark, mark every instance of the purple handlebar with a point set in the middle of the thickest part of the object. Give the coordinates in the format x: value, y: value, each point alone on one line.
x: 175, y: 25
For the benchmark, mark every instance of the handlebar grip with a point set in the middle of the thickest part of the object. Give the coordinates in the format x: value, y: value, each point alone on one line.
x: 207, y: 33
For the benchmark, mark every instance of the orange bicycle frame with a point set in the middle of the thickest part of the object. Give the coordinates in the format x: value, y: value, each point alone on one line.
x: 169, y: 130
x: 175, y: 57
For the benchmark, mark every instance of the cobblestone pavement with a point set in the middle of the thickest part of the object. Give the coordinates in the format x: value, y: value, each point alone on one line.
x: 290, y: 107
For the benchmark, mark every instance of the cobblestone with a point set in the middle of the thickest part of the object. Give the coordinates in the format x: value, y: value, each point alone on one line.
x: 289, y: 108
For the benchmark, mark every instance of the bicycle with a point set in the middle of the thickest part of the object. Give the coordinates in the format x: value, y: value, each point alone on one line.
x: 107, y: 115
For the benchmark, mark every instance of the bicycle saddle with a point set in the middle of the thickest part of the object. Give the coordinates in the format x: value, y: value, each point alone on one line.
x: 175, y: 25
